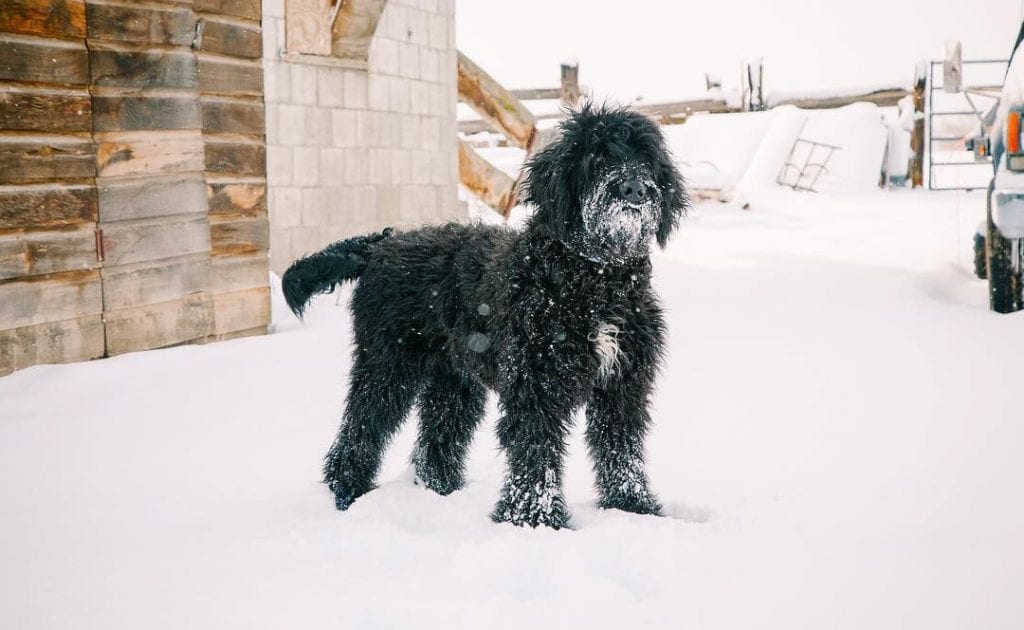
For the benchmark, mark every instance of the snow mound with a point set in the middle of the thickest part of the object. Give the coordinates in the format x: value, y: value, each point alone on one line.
x: 743, y: 154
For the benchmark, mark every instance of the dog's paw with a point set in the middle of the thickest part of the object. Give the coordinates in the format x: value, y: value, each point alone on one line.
x: 436, y: 477
x: 533, y: 507
x: 641, y: 503
x: 344, y: 496
x: 437, y: 483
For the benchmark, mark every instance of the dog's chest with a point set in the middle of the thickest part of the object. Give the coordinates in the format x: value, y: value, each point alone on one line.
x: 605, y: 342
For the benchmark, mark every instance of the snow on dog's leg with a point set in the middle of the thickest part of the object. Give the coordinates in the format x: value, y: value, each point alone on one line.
x: 380, y: 395
x: 532, y: 433
x: 617, y: 422
x: 451, y: 407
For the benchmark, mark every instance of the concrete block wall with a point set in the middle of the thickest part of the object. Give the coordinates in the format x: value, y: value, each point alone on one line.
x: 352, y: 150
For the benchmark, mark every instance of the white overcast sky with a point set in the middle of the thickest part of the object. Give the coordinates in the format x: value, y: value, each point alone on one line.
x: 662, y: 48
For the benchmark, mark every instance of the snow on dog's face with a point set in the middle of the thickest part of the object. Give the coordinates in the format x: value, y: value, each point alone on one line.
x: 620, y: 215
x: 607, y: 186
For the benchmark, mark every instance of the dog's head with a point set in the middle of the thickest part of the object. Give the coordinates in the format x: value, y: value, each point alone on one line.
x: 607, y: 186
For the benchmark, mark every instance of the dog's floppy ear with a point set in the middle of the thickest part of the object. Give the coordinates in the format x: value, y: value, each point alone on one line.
x: 675, y: 199
x: 542, y: 184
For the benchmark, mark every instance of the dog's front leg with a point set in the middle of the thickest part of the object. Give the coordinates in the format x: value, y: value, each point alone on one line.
x: 532, y: 434
x: 617, y: 422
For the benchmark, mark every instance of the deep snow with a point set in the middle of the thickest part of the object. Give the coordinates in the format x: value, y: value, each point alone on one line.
x: 838, y: 445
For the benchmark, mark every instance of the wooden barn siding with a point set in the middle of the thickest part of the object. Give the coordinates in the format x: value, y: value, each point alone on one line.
x: 147, y: 123
x: 110, y: 119
x: 50, y: 287
x: 231, y: 92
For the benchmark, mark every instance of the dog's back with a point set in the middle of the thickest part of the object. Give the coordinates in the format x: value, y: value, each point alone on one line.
x: 423, y: 290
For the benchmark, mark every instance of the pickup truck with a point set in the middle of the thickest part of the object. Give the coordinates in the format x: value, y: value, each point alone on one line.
x: 999, y: 244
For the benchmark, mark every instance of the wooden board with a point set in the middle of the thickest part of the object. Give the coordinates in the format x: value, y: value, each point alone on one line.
x: 153, y: 239
x: 149, y: 153
x: 231, y: 38
x: 239, y: 237
x: 233, y: 273
x: 233, y: 116
x: 307, y: 27
x: 236, y: 158
x: 37, y: 253
x: 44, y: 18
x: 129, y: 69
x: 55, y: 297
x: 237, y: 199
x: 495, y: 104
x: 148, y: 198
x: 145, y: 24
x: 26, y: 159
x: 241, y: 310
x: 159, y: 325
x: 65, y: 341
x: 134, y: 113
x: 354, y: 26
x: 493, y: 186
x: 46, y: 206
x: 220, y: 76
x: 33, y: 60
x: 127, y: 286
x: 44, y: 110
x: 246, y: 9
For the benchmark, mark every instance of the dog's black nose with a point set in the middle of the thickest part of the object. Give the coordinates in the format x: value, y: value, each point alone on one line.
x: 632, y: 191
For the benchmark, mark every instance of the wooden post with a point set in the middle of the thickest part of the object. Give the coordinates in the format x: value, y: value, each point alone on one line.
x: 492, y: 186
x: 496, y: 105
x: 752, y: 85
x: 917, y: 136
x: 570, y: 92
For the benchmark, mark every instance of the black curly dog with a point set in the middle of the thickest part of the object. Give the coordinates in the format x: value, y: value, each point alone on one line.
x: 554, y: 317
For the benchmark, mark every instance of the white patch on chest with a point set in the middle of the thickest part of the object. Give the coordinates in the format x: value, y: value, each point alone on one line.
x: 606, y: 345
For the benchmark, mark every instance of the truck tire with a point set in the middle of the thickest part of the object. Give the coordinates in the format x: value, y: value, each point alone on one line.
x: 980, y: 264
x: 1005, y: 264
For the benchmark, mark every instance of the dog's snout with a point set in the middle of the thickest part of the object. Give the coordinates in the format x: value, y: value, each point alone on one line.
x: 632, y: 191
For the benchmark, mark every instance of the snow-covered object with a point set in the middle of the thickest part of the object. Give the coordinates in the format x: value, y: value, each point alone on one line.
x: 787, y: 122
x: 713, y: 151
x: 742, y: 154
x: 752, y: 87
x: 897, y: 162
x: 860, y: 133
x: 776, y: 97
x: 1008, y: 204
x: 1008, y: 211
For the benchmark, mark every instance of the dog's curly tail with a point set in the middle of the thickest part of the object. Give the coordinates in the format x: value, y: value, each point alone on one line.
x: 322, y: 271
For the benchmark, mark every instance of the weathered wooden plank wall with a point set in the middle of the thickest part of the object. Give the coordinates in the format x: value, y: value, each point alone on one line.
x: 231, y: 87
x: 132, y: 176
x: 50, y: 287
x: 147, y: 123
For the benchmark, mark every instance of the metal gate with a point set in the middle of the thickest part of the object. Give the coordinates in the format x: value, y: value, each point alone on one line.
x: 953, y: 114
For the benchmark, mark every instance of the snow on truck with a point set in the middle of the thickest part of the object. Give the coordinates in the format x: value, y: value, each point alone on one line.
x: 999, y: 243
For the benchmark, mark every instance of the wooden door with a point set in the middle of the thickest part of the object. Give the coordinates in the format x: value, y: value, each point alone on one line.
x: 132, y: 176
x: 153, y: 212
x: 50, y: 286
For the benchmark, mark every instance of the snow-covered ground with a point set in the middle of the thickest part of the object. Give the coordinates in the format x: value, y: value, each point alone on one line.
x: 838, y: 445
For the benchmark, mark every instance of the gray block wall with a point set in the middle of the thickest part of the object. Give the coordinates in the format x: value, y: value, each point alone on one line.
x: 353, y: 150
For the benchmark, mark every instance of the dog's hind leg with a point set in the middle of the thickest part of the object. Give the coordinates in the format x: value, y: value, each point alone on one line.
x: 617, y: 422
x: 381, y: 393
x: 451, y: 407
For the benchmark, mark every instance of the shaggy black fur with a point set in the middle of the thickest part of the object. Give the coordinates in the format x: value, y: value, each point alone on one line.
x: 552, y: 318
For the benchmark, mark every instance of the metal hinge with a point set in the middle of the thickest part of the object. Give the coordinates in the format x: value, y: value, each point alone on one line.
x: 197, y: 40
x: 99, y: 245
